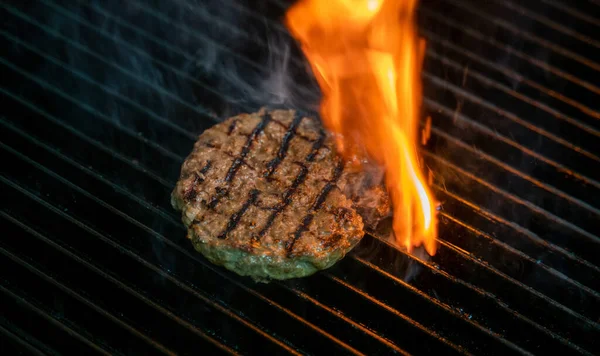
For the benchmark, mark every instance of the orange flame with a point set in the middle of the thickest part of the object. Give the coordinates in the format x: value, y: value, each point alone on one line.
x: 367, y: 59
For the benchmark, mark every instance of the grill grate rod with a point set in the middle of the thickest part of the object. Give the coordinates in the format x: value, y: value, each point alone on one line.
x: 525, y: 34
x: 512, y: 51
x: 507, y: 71
x: 565, y: 170
x: 27, y: 344
x: 441, y: 305
x: 144, y: 262
x: 83, y: 48
x: 502, y: 192
x: 190, y: 58
x: 510, y: 116
x: 76, y: 295
x: 53, y: 320
x: 505, y: 113
x: 68, y: 128
x: 94, y: 268
x: 516, y: 172
x: 435, y: 39
x: 482, y: 293
x: 462, y: 27
x: 365, y: 330
x: 201, y: 12
x: 174, y: 222
x: 63, y: 94
x: 572, y: 12
x: 522, y: 255
x: 568, y: 171
x: 463, y: 94
x: 522, y: 231
x: 529, y: 289
x: 434, y: 106
x: 121, y: 285
x: 548, y: 22
x: 165, y: 240
x: 465, y: 255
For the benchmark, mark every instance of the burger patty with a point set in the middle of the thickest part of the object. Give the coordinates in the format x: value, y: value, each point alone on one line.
x: 266, y: 195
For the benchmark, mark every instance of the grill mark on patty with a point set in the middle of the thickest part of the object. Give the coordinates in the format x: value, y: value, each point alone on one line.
x: 308, y: 218
x: 287, y: 196
x: 287, y: 199
x: 237, y: 216
x: 191, y: 193
x: 246, y: 149
x: 237, y: 162
x: 244, y: 162
x: 221, y: 192
x: 298, y: 134
x: 231, y: 127
x: 316, y: 146
x: 285, y: 145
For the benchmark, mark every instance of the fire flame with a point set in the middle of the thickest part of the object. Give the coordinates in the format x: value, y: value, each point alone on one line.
x: 367, y: 58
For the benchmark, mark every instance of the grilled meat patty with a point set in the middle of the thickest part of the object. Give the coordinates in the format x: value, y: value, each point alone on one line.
x: 266, y: 196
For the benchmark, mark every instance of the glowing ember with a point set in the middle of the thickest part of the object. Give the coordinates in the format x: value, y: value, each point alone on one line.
x: 367, y: 58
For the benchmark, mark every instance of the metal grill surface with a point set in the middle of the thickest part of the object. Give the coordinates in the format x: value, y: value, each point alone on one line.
x: 102, y: 100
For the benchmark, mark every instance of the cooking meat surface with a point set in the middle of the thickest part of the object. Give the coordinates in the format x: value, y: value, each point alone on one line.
x: 265, y: 195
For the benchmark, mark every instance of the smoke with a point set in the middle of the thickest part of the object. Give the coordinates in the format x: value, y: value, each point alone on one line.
x: 263, y: 65
x: 174, y: 58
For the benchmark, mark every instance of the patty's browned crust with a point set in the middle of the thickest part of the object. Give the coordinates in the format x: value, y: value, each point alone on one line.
x: 266, y: 196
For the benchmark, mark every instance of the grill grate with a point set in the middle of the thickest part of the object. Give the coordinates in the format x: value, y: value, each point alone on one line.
x: 101, y: 105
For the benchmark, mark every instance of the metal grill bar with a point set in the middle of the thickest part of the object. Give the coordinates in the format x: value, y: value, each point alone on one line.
x: 18, y: 276
x: 464, y: 7
x: 79, y: 342
x: 548, y: 22
x: 134, y: 255
x: 490, y: 42
x: 464, y: 27
x: 521, y: 141
x: 574, y: 109
x: 26, y: 234
x: 576, y: 13
x: 537, y: 128
x: 510, y: 227
x: 460, y: 145
x: 270, y: 302
x: 14, y: 341
x: 557, y: 333
x: 490, y: 302
x: 534, y: 209
x: 436, y: 39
